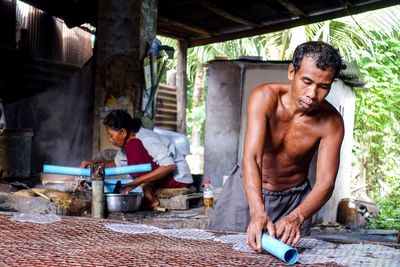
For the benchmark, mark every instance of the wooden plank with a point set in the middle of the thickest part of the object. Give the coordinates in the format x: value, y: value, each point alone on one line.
x: 167, y: 92
x: 165, y: 110
x: 170, y: 123
x: 169, y: 102
x: 163, y: 117
x: 167, y: 87
x: 163, y: 95
x: 167, y: 105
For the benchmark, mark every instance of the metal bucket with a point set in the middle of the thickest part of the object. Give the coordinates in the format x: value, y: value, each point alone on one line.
x: 123, y: 203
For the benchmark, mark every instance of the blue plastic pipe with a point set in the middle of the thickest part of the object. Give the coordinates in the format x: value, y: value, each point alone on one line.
x: 128, y: 169
x: 86, y: 171
x: 66, y: 170
x: 280, y: 250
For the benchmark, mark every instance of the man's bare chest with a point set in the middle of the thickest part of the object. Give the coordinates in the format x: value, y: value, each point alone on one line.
x: 293, y: 139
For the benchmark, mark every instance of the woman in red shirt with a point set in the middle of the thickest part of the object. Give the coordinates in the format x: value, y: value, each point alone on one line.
x: 121, y: 130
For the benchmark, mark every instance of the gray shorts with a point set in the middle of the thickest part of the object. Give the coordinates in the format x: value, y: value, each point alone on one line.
x: 232, y: 210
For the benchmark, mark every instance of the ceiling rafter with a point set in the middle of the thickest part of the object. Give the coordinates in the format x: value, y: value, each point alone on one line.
x: 292, y: 23
x: 292, y: 8
x: 223, y: 13
x: 187, y: 26
x: 171, y: 35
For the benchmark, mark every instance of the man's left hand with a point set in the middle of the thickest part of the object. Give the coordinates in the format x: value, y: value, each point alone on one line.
x: 288, y: 229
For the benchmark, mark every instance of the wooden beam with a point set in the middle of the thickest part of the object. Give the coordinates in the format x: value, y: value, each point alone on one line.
x: 292, y: 8
x: 181, y: 87
x: 187, y: 26
x: 170, y: 35
x: 223, y: 13
x: 281, y: 25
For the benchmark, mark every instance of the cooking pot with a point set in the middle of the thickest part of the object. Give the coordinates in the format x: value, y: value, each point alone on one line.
x: 123, y: 203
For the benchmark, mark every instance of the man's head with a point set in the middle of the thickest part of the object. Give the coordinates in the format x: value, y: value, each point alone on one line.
x: 324, y: 55
x: 312, y: 72
x: 119, y: 125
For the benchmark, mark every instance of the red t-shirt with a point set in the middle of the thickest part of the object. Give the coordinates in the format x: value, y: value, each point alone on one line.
x: 137, y: 154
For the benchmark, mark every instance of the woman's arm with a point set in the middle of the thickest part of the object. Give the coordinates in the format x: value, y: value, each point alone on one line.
x: 152, y: 176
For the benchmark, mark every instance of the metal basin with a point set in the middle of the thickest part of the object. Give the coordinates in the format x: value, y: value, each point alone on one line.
x: 123, y: 203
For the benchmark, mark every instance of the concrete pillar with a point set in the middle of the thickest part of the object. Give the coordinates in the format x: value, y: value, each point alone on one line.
x: 125, y: 30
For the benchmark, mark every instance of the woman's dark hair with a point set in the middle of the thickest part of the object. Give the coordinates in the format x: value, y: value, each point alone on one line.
x: 119, y: 119
x: 325, y: 56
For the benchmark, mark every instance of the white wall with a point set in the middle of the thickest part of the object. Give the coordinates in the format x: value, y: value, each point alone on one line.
x: 343, y: 98
x: 252, y: 78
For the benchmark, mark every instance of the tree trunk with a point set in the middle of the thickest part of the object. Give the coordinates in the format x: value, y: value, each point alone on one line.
x: 197, y: 98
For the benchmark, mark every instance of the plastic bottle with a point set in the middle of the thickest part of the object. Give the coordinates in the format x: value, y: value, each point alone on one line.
x: 208, y: 197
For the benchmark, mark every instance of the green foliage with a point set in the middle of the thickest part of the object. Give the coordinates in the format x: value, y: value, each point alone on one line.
x: 390, y: 211
x: 377, y: 126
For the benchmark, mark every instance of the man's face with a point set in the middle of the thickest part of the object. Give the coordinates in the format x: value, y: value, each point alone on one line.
x: 310, y: 85
x: 117, y: 138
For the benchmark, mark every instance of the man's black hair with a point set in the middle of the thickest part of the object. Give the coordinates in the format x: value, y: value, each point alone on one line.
x: 325, y: 56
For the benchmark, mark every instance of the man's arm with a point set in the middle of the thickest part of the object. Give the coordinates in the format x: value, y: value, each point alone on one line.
x: 288, y: 228
x: 252, y: 165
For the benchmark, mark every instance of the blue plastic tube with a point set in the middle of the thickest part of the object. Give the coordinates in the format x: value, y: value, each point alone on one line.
x: 280, y: 250
x: 66, y: 170
x: 128, y: 169
x: 86, y: 171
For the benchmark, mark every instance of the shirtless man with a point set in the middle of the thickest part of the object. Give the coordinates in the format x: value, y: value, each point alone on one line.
x: 286, y: 125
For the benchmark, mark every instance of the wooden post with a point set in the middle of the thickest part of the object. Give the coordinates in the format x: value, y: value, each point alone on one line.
x: 181, y: 86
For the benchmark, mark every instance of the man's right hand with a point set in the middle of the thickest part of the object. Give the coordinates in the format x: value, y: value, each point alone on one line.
x: 257, y: 225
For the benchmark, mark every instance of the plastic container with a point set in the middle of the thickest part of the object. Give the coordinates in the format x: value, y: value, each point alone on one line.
x: 208, y: 197
x: 280, y: 250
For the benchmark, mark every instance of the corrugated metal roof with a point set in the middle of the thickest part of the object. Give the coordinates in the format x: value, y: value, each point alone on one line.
x: 202, y: 22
